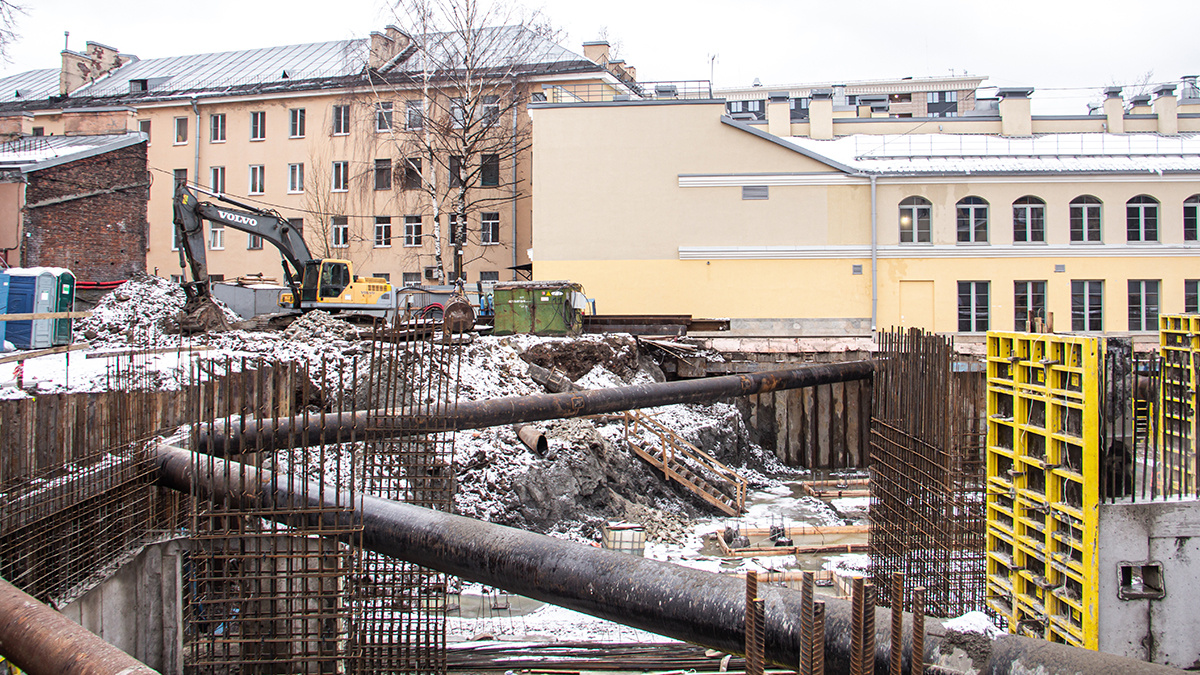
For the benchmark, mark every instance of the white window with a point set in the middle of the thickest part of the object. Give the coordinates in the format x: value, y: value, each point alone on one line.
x: 296, y: 126
x: 216, y: 128
x: 458, y: 113
x: 144, y: 127
x: 458, y: 229
x: 411, y: 278
x: 257, y: 179
x: 383, y: 231
x: 491, y: 109
x: 1191, y: 296
x: 340, y: 226
x: 915, y: 216
x: 490, y: 228
x: 412, y: 230
x: 1191, y: 218
x: 1143, y: 304
x: 181, y: 131
x: 1029, y: 303
x: 972, y: 221
x: 1141, y: 219
x: 383, y: 116
x: 1085, y: 219
x: 258, y: 125
x: 216, y: 237
x: 341, y: 120
x: 217, y: 179
x: 414, y: 114
x: 1087, y: 305
x: 1029, y: 220
x: 973, y: 306
x: 341, y: 176
x: 253, y: 242
x: 295, y: 178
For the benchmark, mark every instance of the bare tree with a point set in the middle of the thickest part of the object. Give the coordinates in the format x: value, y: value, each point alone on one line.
x: 464, y: 134
x: 8, y: 26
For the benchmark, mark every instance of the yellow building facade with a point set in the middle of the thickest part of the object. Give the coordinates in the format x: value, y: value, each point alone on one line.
x: 838, y: 225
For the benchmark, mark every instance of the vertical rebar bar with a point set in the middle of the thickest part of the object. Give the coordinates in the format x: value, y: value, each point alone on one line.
x: 917, y: 658
x: 751, y: 629
x: 817, y: 647
x: 756, y: 645
x: 868, y: 627
x: 896, y: 654
x: 806, y: 620
x: 857, y: 615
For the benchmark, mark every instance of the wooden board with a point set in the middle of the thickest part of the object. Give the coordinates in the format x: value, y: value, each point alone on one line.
x: 21, y: 356
x: 44, y: 315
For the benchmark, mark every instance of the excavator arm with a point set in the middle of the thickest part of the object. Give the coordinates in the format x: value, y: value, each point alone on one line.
x: 200, y: 312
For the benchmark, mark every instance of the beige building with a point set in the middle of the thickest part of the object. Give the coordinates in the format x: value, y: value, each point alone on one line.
x: 360, y: 142
x: 905, y: 97
x: 837, y: 225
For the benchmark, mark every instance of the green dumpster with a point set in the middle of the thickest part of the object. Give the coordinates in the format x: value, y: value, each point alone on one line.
x: 539, y: 308
x: 64, y: 301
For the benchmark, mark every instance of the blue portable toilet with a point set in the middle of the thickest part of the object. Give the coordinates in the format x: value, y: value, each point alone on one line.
x: 3, y: 305
x: 31, y: 291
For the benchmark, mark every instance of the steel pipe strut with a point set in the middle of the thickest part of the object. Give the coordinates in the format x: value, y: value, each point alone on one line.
x: 227, y: 437
x: 39, y: 640
x: 692, y: 605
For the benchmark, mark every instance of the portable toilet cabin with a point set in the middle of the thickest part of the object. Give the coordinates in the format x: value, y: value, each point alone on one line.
x: 3, y: 305
x: 31, y: 291
x: 64, y: 301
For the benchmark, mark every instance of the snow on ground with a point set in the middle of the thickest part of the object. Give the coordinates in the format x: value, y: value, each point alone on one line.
x: 973, y: 622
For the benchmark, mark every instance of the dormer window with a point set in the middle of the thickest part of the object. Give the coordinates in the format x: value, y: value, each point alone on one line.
x: 136, y: 86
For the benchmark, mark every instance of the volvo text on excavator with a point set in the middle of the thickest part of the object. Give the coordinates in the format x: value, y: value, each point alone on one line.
x: 315, y: 283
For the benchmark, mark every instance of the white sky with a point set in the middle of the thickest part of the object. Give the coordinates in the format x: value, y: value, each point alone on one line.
x: 1048, y: 44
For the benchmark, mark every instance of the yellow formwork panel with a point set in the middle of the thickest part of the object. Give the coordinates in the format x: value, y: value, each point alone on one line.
x: 1179, y: 345
x: 1043, y: 483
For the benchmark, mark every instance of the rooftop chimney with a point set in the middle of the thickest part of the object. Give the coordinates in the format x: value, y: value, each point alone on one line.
x: 1166, y: 108
x: 597, y: 51
x: 388, y: 48
x: 1139, y: 105
x: 82, y: 69
x: 1015, y: 116
x: 779, y: 114
x: 1114, y: 110
x: 820, y: 114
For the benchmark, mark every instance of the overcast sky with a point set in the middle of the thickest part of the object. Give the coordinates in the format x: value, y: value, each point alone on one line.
x: 1065, y: 48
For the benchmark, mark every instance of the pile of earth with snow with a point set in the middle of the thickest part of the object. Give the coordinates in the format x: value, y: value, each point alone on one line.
x: 139, y: 312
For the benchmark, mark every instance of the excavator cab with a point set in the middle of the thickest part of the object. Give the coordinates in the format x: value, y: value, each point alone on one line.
x: 324, y: 280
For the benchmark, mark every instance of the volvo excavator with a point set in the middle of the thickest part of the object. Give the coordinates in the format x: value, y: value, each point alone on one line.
x: 315, y: 283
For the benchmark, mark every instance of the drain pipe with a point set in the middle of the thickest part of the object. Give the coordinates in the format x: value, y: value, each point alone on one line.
x: 874, y: 260
x: 697, y: 606
x: 514, y: 188
x: 196, y: 135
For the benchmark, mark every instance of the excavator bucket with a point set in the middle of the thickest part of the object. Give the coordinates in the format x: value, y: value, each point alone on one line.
x: 200, y: 313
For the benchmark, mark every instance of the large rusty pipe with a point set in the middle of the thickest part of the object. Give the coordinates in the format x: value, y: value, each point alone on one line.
x: 692, y: 605
x: 234, y: 435
x: 38, y: 640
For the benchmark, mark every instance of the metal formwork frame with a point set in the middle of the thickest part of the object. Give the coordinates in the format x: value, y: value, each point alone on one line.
x: 1179, y: 345
x: 1043, y: 466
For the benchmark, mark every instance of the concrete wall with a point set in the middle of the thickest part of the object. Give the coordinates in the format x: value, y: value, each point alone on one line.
x: 1162, y: 631
x: 139, y: 609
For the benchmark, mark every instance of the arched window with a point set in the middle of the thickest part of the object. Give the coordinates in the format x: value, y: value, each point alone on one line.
x: 1141, y: 219
x: 1191, y: 218
x: 1085, y: 219
x: 1029, y: 220
x: 915, y: 216
x: 972, y: 221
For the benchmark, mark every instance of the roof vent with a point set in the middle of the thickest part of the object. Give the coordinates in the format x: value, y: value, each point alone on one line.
x: 22, y: 93
x: 286, y: 75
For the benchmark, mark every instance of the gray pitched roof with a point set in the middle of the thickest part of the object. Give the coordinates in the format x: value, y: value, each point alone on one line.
x: 33, y: 153
x: 31, y: 85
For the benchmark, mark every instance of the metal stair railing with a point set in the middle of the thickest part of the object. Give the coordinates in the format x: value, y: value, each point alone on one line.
x: 672, y: 455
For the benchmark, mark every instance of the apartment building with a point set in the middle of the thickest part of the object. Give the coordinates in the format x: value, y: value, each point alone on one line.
x: 838, y: 225
x: 904, y: 97
x: 347, y: 139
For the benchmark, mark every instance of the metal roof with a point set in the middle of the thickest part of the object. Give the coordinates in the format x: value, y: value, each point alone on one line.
x: 32, y: 153
x: 31, y: 85
x: 503, y: 47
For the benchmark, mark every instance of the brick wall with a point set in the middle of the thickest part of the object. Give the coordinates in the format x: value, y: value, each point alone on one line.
x: 99, y: 237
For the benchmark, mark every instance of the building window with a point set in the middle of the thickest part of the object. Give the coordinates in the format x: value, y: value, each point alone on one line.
x: 1087, y: 305
x: 490, y: 173
x: 180, y: 178
x: 972, y: 306
x: 382, y: 275
x: 458, y: 113
x: 414, y: 115
x: 1191, y: 218
x: 1141, y: 219
x: 253, y: 242
x: 1191, y: 296
x: 490, y: 228
x: 180, y: 130
x: 491, y: 110
x: 216, y: 128
x: 257, y: 179
x: 296, y: 126
x: 798, y: 108
x: 383, y: 116
x: 489, y: 275
x: 295, y: 178
x: 1029, y: 303
x: 217, y: 179
x: 537, y: 97
x: 1143, y: 304
x: 456, y: 177
x: 383, y: 174
x: 972, y: 221
x: 1029, y: 220
x: 458, y: 228
x: 412, y: 173
x: 144, y: 127
x: 412, y: 230
x: 383, y: 231
x: 258, y: 125
x: 1085, y: 219
x: 411, y: 278
x: 216, y: 237
x: 341, y: 120
x: 340, y: 226
x: 341, y: 176
x: 915, y: 216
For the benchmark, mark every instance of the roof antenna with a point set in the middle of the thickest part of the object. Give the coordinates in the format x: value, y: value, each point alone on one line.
x: 66, y: 40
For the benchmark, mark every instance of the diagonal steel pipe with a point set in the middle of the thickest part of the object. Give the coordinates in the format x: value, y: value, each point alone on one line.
x: 234, y: 435
x: 691, y: 605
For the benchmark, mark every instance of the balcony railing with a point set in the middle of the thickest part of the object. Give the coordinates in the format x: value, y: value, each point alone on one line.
x: 678, y: 90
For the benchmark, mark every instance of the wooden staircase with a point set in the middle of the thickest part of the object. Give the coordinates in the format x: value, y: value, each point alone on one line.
x: 685, y: 464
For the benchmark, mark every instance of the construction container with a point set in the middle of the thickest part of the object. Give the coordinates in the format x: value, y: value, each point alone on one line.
x: 3, y: 306
x: 64, y: 301
x: 625, y: 537
x: 249, y: 300
x: 31, y: 291
x: 539, y: 308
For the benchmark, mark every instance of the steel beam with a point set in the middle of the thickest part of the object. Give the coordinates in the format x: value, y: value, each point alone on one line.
x: 232, y: 436
x: 691, y: 605
x: 39, y: 640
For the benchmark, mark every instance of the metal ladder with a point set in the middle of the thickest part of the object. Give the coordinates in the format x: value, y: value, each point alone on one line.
x: 684, y: 463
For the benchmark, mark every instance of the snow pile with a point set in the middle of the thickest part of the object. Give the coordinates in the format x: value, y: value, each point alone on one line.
x: 849, y: 564
x: 140, y: 312
x: 973, y: 622
x: 319, y: 326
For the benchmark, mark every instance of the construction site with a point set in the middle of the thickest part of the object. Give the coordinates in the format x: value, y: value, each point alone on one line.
x: 422, y: 496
